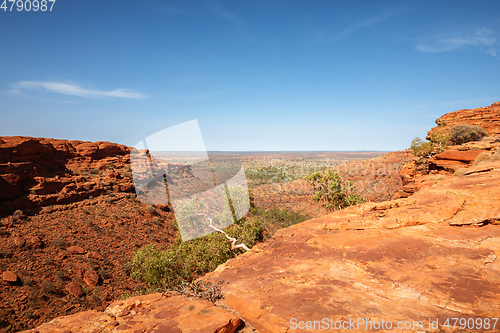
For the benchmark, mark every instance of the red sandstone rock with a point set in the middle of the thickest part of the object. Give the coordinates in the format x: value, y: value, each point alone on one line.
x: 74, y: 289
x: 448, y: 165
x: 399, y: 260
x: 467, y: 156
x: 91, y: 278
x: 76, y: 250
x: 150, y: 313
x: 9, y: 277
x: 486, y: 117
x: 95, y: 255
x: 28, y: 165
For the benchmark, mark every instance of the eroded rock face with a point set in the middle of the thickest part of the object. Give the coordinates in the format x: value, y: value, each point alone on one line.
x: 487, y: 117
x: 37, y: 172
x: 452, y: 159
x: 429, y: 257
x: 400, y: 260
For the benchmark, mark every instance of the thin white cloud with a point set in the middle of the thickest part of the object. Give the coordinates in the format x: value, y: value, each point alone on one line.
x: 226, y: 15
x: 365, y: 23
x: 320, y: 36
x: 75, y: 90
x: 483, y: 39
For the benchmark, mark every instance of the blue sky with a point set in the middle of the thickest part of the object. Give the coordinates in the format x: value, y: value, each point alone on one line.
x: 257, y: 74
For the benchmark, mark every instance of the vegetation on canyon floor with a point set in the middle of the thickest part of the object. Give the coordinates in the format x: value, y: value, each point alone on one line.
x: 333, y: 192
x: 183, y: 262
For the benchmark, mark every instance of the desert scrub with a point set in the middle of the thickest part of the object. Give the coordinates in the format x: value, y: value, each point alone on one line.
x: 422, y: 148
x: 276, y: 218
x: 284, y: 217
x: 185, y: 261
x: 332, y: 191
x: 487, y: 157
x: 440, y: 137
x: 460, y: 134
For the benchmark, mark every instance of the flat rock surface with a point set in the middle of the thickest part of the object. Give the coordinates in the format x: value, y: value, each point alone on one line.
x: 401, y: 260
x: 149, y: 313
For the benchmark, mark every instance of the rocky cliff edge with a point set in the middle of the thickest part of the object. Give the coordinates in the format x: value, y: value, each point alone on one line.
x: 412, y: 261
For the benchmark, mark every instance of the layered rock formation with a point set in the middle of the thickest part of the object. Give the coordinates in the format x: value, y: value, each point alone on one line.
x: 37, y: 172
x: 409, y: 264
x: 80, y: 223
x: 453, y: 159
x: 150, y: 313
x: 487, y: 117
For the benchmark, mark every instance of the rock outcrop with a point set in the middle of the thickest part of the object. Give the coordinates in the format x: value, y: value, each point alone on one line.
x: 149, y: 313
x: 487, y: 117
x: 452, y: 159
x: 414, y: 262
x: 37, y: 172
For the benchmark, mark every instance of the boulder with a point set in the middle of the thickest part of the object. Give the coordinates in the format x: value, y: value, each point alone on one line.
x: 467, y: 156
x: 74, y: 289
x: 76, y: 250
x: 91, y: 278
x: 9, y: 277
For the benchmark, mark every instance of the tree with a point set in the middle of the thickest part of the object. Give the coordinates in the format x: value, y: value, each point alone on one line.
x: 332, y: 191
x: 422, y: 148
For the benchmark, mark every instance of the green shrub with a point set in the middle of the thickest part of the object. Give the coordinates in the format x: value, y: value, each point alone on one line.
x: 460, y: 134
x: 275, y: 219
x: 186, y: 261
x: 332, y: 191
x: 283, y: 217
x: 440, y: 137
x: 422, y: 148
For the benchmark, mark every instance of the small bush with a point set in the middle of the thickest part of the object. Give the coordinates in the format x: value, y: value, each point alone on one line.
x: 60, y: 242
x: 332, y: 191
x: 158, y: 221
x: 151, y: 210
x: 422, y: 148
x: 17, y: 216
x: 283, y: 217
x: 201, y: 289
x: 460, y: 134
x: 48, y: 287
x: 460, y: 172
x: 487, y: 157
x: 440, y: 137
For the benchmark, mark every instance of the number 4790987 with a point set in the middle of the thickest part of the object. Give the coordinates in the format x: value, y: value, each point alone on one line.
x: 27, y: 5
